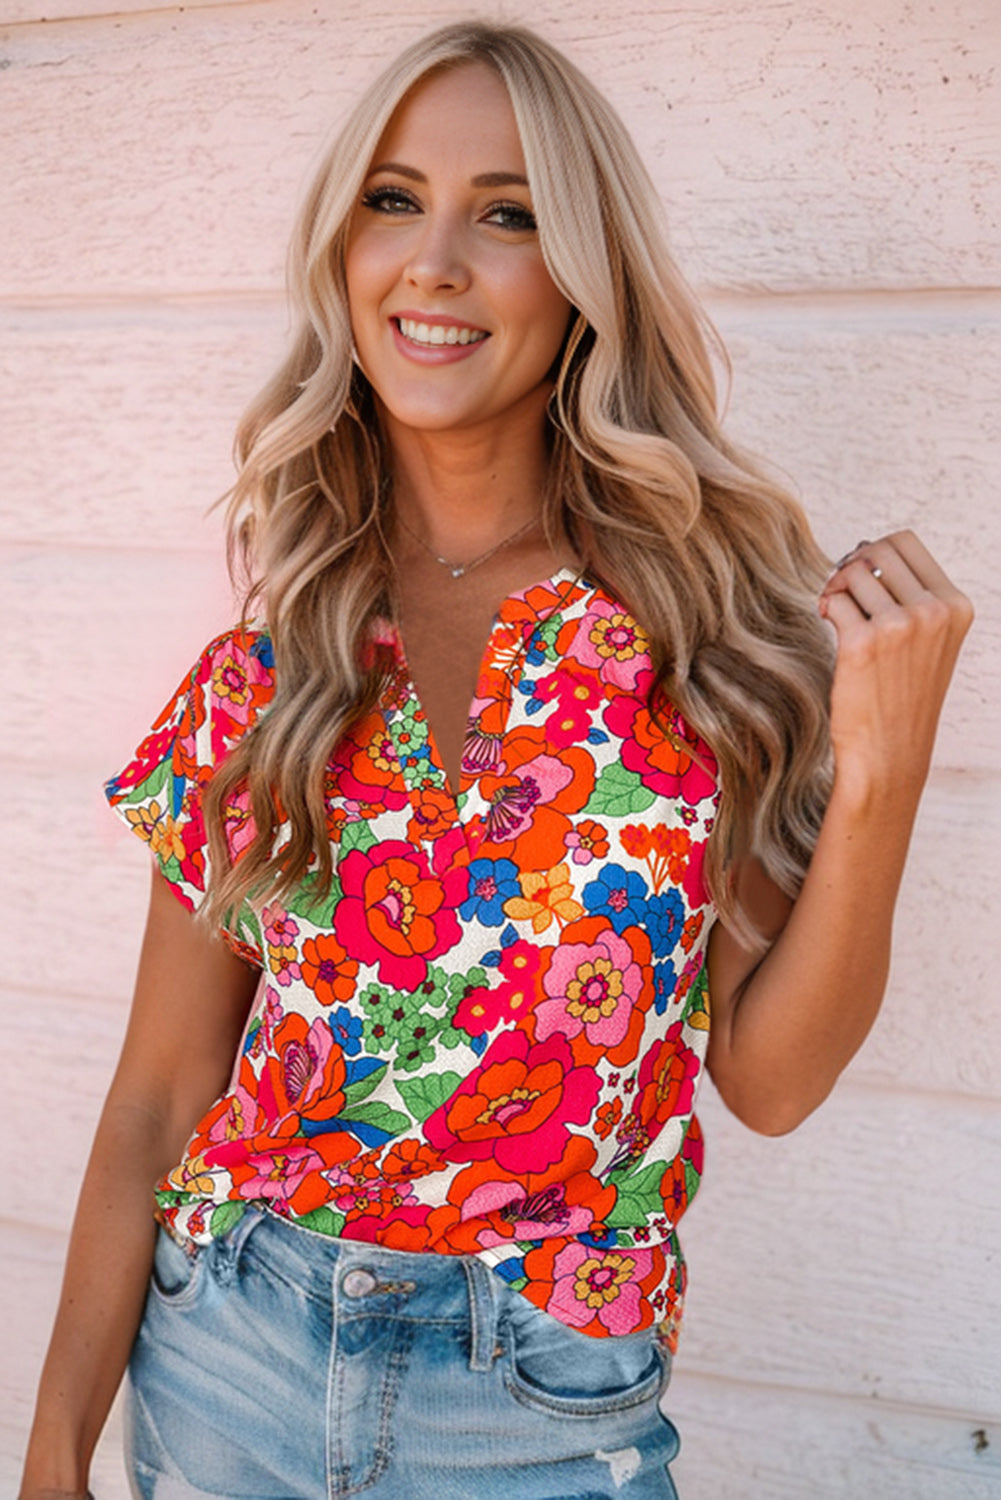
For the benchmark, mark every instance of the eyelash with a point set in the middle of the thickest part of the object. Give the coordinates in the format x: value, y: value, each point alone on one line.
x: 379, y: 200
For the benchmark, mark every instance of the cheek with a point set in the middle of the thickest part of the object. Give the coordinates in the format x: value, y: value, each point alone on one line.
x: 365, y: 275
x: 545, y: 309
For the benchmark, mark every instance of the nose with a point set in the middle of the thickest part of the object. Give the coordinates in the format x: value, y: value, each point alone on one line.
x: 438, y: 261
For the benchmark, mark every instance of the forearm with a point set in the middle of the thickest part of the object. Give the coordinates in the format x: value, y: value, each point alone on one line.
x: 806, y: 1008
x: 102, y: 1297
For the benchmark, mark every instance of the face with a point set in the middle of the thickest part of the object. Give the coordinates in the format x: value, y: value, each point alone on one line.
x: 456, y: 319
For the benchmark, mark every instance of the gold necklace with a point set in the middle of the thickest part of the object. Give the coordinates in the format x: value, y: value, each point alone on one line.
x: 459, y: 570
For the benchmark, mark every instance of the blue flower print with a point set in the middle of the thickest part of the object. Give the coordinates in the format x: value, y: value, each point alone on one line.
x: 665, y: 982
x: 264, y: 651
x: 665, y: 917
x: 619, y: 895
x: 491, y: 883
x: 347, y: 1029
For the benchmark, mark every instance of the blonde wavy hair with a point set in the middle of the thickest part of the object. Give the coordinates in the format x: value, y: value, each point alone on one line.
x: 715, y: 559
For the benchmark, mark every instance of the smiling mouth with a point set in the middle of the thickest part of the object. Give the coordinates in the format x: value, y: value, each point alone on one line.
x: 431, y: 335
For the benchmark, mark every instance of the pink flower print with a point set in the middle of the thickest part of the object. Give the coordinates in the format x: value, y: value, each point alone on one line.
x: 539, y: 782
x: 229, y: 682
x: 240, y: 1120
x: 593, y: 988
x: 283, y: 965
x: 279, y: 927
x: 272, y: 1015
x: 482, y: 748
x: 610, y: 642
x: 604, y: 1284
x: 531, y: 1215
x: 397, y: 913
x: 238, y: 822
x: 277, y: 1174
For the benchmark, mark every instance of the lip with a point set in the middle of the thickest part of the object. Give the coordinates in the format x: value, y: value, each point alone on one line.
x: 434, y: 354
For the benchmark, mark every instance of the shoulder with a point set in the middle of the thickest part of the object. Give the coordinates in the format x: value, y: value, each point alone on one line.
x: 222, y: 695
x: 230, y: 683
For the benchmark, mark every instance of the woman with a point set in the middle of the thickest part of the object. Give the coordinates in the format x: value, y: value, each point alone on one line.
x: 420, y: 1238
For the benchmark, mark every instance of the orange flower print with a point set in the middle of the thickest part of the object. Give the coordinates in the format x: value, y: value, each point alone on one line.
x: 589, y: 840
x: 327, y: 969
x: 546, y: 897
x: 433, y: 814
x: 666, y: 851
x: 691, y: 930
x: 409, y: 1158
x: 607, y: 1117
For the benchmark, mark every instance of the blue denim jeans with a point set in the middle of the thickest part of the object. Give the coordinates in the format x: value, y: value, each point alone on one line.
x: 280, y: 1364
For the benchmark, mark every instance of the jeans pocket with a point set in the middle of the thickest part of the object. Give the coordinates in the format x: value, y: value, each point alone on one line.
x: 176, y: 1272
x: 560, y: 1370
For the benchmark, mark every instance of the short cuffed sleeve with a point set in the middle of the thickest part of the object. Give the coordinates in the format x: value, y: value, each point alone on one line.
x: 159, y: 794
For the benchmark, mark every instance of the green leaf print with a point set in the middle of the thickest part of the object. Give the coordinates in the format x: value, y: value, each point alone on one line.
x: 324, y: 1220
x: 696, y: 1009
x: 354, y: 1093
x: 153, y: 785
x: 392, y: 1121
x: 357, y: 836
x: 309, y: 903
x: 170, y: 1198
x: 546, y: 634
x: 692, y: 1180
x: 618, y: 792
x: 423, y: 1096
x: 638, y: 1197
x: 224, y: 1217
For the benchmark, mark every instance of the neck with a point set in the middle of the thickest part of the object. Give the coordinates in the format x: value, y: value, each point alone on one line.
x: 463, y: 492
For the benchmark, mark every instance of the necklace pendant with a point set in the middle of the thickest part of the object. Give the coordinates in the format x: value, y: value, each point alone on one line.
x: 458, y: 570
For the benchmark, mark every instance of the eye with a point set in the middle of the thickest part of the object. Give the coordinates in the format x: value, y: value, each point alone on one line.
x: 390, y: 200
x: 511, y: 216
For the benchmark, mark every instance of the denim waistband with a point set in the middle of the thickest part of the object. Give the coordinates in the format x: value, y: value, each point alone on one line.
x: 359, y: 1278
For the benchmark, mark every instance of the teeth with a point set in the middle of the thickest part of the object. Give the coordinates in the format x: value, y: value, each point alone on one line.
x: 438, y: 333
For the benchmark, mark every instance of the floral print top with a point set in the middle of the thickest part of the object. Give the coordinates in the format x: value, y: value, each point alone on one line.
x: 487, y: 1038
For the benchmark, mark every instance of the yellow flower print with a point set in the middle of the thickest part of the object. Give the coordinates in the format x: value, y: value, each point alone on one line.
x: 192, y: 1176
x: 597, y: 1281
x: 230, y: 681
x: 144, y: 819
x: 546, y: 895
x: 165, y: 839
x: 619, y: 637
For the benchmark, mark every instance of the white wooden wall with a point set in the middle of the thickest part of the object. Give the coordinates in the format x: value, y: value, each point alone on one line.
x: 833, y: 176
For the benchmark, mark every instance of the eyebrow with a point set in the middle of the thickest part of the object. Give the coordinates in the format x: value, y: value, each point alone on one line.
x: 485, y: 179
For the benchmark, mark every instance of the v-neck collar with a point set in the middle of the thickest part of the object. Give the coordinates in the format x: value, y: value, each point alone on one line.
x: 508, y: 643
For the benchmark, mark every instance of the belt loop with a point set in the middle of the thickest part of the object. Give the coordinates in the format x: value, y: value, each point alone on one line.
x: 229, y: 1245
x: 482, y: 1313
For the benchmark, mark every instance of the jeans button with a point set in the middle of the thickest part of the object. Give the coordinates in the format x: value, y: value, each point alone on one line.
x: 359, y: 1283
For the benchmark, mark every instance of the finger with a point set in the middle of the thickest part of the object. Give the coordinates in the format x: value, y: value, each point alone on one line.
x: 843, y: 612
x: 919, y: 560
x: 866, y: 585
x: 886, y: 565
x: 893, y: 572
